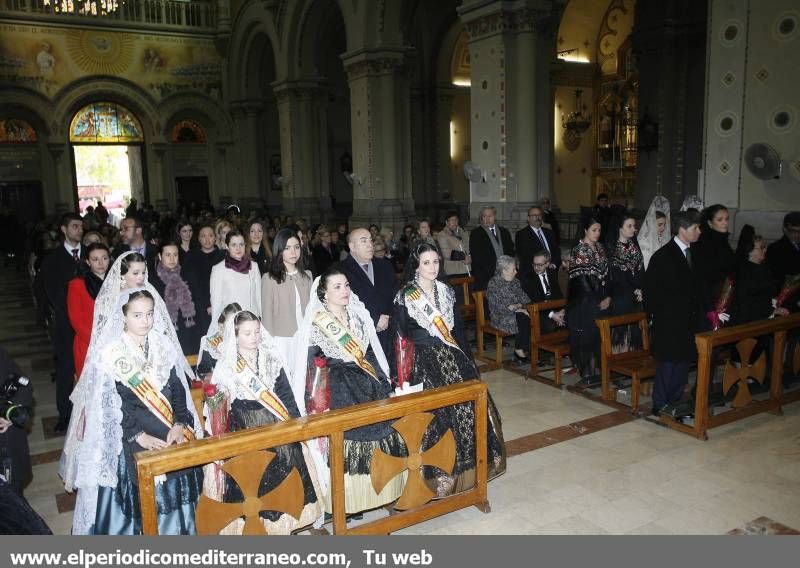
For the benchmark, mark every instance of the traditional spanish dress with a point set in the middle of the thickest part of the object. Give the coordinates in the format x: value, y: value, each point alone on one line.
x: 259, y: 394
x: 442, y: 357
x: 210, y: 353
x: 588, y: 278
x: 356, y: 375
x: 627, y: 275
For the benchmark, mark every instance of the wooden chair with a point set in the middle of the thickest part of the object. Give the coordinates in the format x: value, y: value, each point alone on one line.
x: 467, y: 309
x: 555, y: 342
x: 482, y: 327
x: 638, y: 364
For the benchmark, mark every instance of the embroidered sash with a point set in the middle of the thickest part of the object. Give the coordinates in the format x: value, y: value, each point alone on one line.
x: 261, y: 393
x: 340, y: 335
x: 415, y: 297
x: 132, y: 376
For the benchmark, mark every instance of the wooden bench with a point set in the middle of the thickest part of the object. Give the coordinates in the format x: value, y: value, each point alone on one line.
x: 482, y: 327
x: 638, y: 364
x: 467, y: 309
x: 555, y: 342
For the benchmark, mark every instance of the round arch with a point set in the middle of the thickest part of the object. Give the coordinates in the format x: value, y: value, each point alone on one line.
x: 254, y: 32
x: 181, y: 106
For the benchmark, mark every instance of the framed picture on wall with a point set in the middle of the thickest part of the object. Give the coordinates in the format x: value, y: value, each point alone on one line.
x: 275, y: 172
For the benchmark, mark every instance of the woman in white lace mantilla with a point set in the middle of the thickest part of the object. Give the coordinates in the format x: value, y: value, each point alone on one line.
x: 338, y: 333
x: 655, y: 231
x: 136, y: 397
x: 251, y: 374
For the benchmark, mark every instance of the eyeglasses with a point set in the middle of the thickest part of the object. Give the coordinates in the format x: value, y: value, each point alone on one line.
x: 541, y: 264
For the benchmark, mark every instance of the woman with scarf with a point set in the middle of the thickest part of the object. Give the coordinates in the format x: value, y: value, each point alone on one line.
x: 251, y: 374
x: 627, y: 281
x: 176, y: 294
x: 211, y: 344
x: 426, y: 315
x: 136, y: 398
x: 357, y: 373
x: 235, y: 279
x: 587, y: 300
x: 81, y: 295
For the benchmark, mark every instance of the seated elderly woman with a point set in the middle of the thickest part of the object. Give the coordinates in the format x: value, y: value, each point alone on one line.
x: 507, y: 301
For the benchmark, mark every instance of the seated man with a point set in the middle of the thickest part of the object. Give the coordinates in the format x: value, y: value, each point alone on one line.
x: 541, y: 285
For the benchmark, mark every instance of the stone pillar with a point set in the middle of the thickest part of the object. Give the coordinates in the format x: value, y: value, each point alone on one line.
x: 444, y: 169
x: 60, y: 196
x: 380, y: 115
x: 160, y: 179
x: 249, y: 169
x: 509, y: 95
x: 302, y: 115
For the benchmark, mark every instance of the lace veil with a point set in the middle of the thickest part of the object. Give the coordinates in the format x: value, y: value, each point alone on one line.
x: 648, y: 239
x: 94, y: 438
x: 303, y: 339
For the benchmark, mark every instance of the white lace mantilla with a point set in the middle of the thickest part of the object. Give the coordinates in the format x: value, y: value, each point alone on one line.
x: 357, y: 328
x: 235, y: 382
x: 447, y: 300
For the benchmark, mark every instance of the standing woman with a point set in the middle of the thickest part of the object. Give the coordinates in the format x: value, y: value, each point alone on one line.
x: 324, y: 253
x: 196, y: 268
x: 712, y: 256
x: 138, y: 399
x: 185, y: 239
x: 256, y: 247
x: 221, y: 230
x: 587, y: 300
x: 81, y: 295
x: 176, y: 294
x: 285, y: 291
x: 235, y: 279
x: 426, y: 314
x: 251, y: 373
x: 339, y: 329
x: 627, y: 281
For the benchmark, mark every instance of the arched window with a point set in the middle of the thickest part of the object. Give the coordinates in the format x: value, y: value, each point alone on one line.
x: 188, y: 132
x: 16, y: 131
x: 105, y: 122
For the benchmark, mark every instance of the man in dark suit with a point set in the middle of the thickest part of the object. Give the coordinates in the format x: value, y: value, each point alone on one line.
x: 541, y: 285
x: 131, y: 231
x: 673, y: 298
x: 373, y: 280
x: 549, y: 219
x: 783, y: 256
x: 58, y: 268
x: 533, y: 238
x: 488, y: 242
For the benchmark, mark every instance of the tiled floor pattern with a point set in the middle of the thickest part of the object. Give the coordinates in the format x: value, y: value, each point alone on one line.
x: 576, y: 466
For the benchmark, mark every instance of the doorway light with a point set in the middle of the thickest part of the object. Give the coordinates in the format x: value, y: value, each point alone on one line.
x: 462, y: 82
x: 452, y: 139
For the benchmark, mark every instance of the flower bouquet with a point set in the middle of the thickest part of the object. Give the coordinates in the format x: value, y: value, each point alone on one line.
x: 719, y: 315
x: 404, y: 357
x: 215, y: 411
x: 318, y: 395
x: 790, y: 287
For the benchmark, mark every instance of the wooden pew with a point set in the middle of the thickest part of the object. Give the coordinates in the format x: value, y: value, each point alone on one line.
x: 739, y: 336
x: 467, y: 309
x: 555, y: 342
x: 482, y: 327
x: 409, y: 411
x: 637, y: 364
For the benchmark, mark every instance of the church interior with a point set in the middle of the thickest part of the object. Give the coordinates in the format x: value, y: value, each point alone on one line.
x: 392, y: 111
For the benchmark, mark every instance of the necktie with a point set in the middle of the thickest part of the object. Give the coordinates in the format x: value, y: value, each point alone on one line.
x: 540, y: 234
x: 75, y: 256
x: 545, y: 285
x: 494, y: 234
x: 688, y: 254
x: 365, y: 267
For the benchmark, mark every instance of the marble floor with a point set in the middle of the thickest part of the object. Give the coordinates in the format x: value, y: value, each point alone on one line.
x: 577, y: 466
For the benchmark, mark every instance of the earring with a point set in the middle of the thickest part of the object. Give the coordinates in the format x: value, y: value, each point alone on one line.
x: 121, y: 281
x: 124, y: 327
x: 325, y: 302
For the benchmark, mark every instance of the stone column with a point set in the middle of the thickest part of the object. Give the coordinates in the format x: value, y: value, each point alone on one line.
x: 379, y: 98
x: 511, y: 135
x: 304, y: 148
x: 60, y: 196
x: 160, y: 179
x: 444, y: 168
x: 249, y: 169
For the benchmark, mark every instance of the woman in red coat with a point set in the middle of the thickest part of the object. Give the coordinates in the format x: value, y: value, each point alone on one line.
x: 81, y: 294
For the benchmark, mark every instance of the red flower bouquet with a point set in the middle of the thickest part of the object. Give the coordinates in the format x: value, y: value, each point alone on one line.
x: 790, y: 287
x: 722, y: 305
x: 318, y: 389
x: 404, y: 357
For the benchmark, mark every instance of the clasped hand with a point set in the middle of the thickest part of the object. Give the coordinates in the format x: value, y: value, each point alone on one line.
x: 174, y: 436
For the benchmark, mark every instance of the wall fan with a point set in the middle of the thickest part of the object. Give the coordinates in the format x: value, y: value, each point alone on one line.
x: 763, y: 161
x: 474, y: 173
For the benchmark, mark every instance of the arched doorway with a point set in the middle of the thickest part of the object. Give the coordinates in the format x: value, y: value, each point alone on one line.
x: 108, y: 164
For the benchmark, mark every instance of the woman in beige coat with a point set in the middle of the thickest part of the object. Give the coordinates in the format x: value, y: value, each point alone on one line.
x: 285, y: 290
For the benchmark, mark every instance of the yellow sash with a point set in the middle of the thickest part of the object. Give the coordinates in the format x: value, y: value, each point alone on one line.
x: 340, y: 335
x: 132, y: 377
x: 261, y: 393
x: 415, y: 297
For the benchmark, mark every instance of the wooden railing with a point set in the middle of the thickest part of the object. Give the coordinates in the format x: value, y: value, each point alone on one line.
x: 197, y: 15
x: 737, y: 336
x: 334, y: 424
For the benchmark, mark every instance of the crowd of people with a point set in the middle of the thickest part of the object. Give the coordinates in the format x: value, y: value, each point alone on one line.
x: 270, y: 303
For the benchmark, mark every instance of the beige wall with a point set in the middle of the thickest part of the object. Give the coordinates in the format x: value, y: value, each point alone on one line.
x: 572, y: 180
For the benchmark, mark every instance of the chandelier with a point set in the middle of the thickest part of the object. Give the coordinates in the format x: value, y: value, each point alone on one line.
x: 85, y: 7
x: 575, y: 121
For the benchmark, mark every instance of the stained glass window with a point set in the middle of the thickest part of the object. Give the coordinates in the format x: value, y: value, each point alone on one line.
x: 105, y: 122
x: 16, y: 131
x: 188, y: 132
